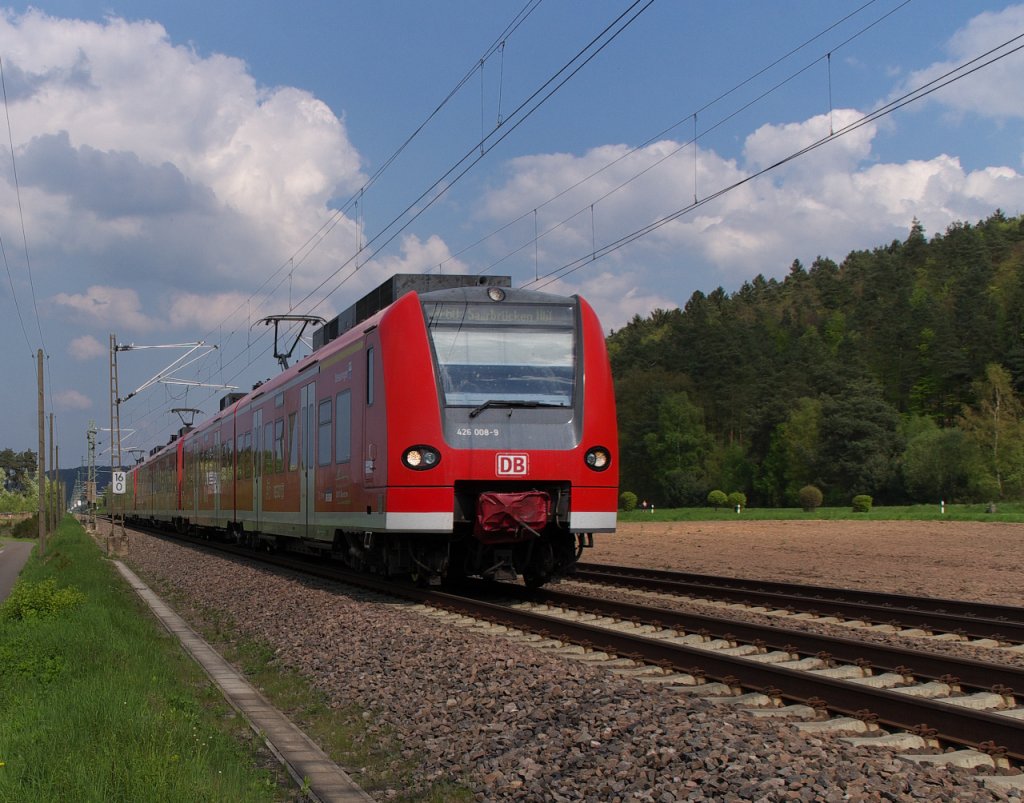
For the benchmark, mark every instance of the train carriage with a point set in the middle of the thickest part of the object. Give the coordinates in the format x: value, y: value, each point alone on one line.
x: 442, y: 427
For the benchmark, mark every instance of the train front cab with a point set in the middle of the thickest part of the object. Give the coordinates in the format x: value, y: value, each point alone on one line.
x: 509, y: 453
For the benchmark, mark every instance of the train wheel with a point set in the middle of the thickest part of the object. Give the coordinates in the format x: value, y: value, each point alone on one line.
x: 541, y: 566
x: 533, y: 580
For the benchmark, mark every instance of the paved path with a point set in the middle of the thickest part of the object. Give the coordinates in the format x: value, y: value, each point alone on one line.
x: 304, y: 760
x: 13, y: 555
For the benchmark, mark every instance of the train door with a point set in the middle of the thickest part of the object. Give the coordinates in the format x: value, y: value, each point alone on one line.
x: 214, y: 469
x: 257, y: 468
x: 307, y: 457
x: 372, y: 427
x: 195, y: 450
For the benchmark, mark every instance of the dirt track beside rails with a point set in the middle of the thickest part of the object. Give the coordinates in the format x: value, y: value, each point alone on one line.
x: 966, y: 560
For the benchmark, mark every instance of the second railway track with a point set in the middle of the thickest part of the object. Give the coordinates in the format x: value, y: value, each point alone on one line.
x: 940, y: 701
x: 968, y: 619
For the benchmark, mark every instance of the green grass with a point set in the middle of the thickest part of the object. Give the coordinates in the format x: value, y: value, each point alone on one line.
x: 98, y: 703
x: 1005, y: 512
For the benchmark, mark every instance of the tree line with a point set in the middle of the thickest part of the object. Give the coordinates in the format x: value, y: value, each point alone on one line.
x: 897, y: 374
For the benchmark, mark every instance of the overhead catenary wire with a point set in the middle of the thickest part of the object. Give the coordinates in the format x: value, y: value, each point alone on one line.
x: 486, y: 146
x: 21, y: 217
x: 599, y: 252
x: 443, y: 184
x: 355, y: 201
x: 693, y: 115
x: 494, y: 137
x: 922, y: 91
x: 304, y: 251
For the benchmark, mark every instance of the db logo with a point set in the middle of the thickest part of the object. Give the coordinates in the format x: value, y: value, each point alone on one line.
x: 512, y: 465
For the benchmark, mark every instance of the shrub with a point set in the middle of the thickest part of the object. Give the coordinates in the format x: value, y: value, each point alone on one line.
x: 862, y: 503
x: 43, y: 600
x: 738, y: 499
x: 627, y: 500
x: 26, y: 528
x: 718, y: 499
x: 810, y: 498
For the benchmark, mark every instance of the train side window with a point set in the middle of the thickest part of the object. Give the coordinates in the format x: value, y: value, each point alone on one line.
x: 343, y: 427
x: 269, y: 467
x: 293, y: 433
x: 369, y: 376
x: 323, y: 434
x: 279, y: 445
x: 239, y: 455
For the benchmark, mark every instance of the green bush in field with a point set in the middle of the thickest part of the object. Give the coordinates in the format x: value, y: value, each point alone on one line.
x: 627, y: 501
x: 27, y: 528
x: 737, y: 499
x: 862, y: 503
x: 718, y: 499
x: 39, y: 600
x: 810, y: 498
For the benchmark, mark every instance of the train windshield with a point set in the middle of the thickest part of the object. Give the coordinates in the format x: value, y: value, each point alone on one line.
x: 514, y: 354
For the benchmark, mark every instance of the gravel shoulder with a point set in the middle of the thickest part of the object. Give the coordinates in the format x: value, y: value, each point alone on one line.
x: 964, y: 560
x: 515, y: 724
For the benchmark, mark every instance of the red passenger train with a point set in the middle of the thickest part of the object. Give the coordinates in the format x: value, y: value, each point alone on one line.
x: 443, y: 426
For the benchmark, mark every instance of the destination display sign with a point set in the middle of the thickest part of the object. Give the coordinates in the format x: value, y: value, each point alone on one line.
x: 508, y: 314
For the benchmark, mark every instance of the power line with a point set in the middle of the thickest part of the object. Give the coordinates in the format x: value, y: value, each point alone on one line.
x: 914, y: 95
x: 21, y: 213
x: 303, y: 252
x: 693, y: 141
x: 501, y: 130
x: 3, y: 251
x: 488, y: 142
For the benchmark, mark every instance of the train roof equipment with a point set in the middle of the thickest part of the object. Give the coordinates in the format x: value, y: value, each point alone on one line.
x: 390, y: 291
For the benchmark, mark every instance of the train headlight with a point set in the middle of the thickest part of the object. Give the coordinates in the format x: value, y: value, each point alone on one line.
x: 421, y: 458
x: 598, y: 458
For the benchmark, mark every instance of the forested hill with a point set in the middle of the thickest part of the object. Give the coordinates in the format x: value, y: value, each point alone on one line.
x: 897, y: 374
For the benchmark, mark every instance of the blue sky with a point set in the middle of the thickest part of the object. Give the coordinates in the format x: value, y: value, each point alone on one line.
x: 174, y: 160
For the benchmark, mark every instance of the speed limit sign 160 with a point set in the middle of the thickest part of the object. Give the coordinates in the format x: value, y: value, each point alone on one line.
x: 120, y: 482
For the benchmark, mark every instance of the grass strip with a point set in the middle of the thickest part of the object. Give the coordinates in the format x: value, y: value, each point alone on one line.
x: 99, y: 703
x: 1007, y: 512
x: 376, y: 760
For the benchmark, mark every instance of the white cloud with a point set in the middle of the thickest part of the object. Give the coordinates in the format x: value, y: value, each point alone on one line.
x: 833, y: 200
x: 192, y: 311
x: 615, y: 296
x: 995, y: 91
x: 72, y: 400
x: 114, y: 307
x: 148, y: 163
x: 87, y: 347
x: 770, y: 144
x: 416, y: 256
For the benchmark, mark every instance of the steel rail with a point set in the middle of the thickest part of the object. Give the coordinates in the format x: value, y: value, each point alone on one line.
x: 977, y: 620
x: 906, y: 661
x: 978, y: 729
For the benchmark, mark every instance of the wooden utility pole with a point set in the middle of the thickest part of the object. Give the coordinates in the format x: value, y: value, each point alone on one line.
x: 51, y: 519
x: 41, y: 463
x: 58, y: 507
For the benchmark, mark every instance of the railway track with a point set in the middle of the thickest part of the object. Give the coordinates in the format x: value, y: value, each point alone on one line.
x: 928, y: 700
x: 923, y: 615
